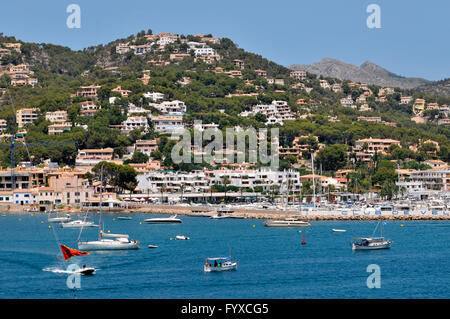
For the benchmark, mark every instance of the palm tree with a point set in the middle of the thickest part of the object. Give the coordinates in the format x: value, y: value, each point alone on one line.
x: 225, y: 181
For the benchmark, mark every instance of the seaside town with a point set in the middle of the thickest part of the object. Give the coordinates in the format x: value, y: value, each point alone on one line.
x: 217, y: 164
x: 341, y: 143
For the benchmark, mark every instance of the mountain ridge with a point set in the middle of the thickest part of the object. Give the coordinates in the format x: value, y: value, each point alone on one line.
x: 368, y: 72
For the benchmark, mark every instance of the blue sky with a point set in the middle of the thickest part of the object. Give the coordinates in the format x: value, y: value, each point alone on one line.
x: 413, y: 39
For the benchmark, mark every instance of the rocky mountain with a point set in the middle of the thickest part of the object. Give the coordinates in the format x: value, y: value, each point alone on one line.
x: 367, y: 72
x: 438, y: 87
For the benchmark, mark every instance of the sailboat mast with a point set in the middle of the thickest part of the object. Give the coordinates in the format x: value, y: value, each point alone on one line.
x: 314, y: 184
x: 101, y: 197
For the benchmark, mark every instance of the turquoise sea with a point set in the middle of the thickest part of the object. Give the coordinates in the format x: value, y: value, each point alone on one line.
x: 272, y: 262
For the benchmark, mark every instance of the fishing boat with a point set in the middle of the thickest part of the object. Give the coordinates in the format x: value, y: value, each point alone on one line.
x: 78, y: 223
x: 163, y: 220
x: 219, y: 264
x: 107, y: 241
x: 372, y: 243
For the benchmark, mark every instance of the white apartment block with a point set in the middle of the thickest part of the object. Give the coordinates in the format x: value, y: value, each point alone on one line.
x: 168, y: 124
x: 155, y: 96
x: 56, y: 116
x: 133, y: 123
x: 173, y: 182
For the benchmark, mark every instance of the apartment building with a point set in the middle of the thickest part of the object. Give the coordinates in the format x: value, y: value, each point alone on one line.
x: 298, y: 75
x: 56, y: 116
x: 435, y: 179
x: 168, y: 125
x: 90, y: 157
x: 88, y: 108
x: 375, y: 145
x: 133, y: 123
x: 59, y: 128
x: 26, y: 116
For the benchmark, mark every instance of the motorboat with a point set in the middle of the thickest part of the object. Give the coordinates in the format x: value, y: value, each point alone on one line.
x: 60, y: 219
x: 87, y: 271
x: 152, y: 246
x: 120, y: 242
x: 78, y: 223
x: 372, y: 243
x: 180, y: 237
x: 287, y: 222
x: 219, y: 264
x: 339, y: 230
x: 163, y: 220
x: 219, y: 215
x: 124, y: 218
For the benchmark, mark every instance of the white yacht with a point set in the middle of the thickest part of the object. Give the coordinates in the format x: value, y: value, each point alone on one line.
x: 163, y: 220
x: 60, y: 219
x: 78, y: 223
x: 120, y: 242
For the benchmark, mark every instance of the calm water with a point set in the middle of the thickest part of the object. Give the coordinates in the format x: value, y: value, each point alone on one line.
x: 272, y: 262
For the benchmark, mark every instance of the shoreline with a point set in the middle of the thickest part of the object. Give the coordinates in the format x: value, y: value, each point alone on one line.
x: 242, y: 213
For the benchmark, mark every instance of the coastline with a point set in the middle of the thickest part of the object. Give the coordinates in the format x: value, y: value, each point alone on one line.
x: 244, y: 213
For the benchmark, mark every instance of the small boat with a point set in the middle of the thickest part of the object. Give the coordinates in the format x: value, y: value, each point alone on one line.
x: 163, y: 220
x: 287, y: 222
x: 124, y: 218
x: 86, y: 270
x: 78, y: 224
x: 61, y: 219
x: 219, y: 215
x: 339, y: 230
x: 219, y: 264
x: 372, y: 243
x: 180, y: 237
x: 152, y: 246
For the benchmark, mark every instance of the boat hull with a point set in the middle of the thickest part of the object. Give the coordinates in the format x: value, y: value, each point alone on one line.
x: 384, y: 245
x: 232, y: 266
x: 286, y: 224
x: 149, y: 221
x: 107, y: 245
x: 65, y: 225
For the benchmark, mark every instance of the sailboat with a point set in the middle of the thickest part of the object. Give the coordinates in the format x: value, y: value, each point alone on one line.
x: 371, y: 243
x: 293, y: 221
x: 105, y: 241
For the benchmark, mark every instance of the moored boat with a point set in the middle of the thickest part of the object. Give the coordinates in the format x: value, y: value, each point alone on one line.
x: 217, y: 264
x: 163, y: 220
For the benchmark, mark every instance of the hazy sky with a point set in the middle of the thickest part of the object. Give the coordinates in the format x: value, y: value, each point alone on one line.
x: 413, y: 39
